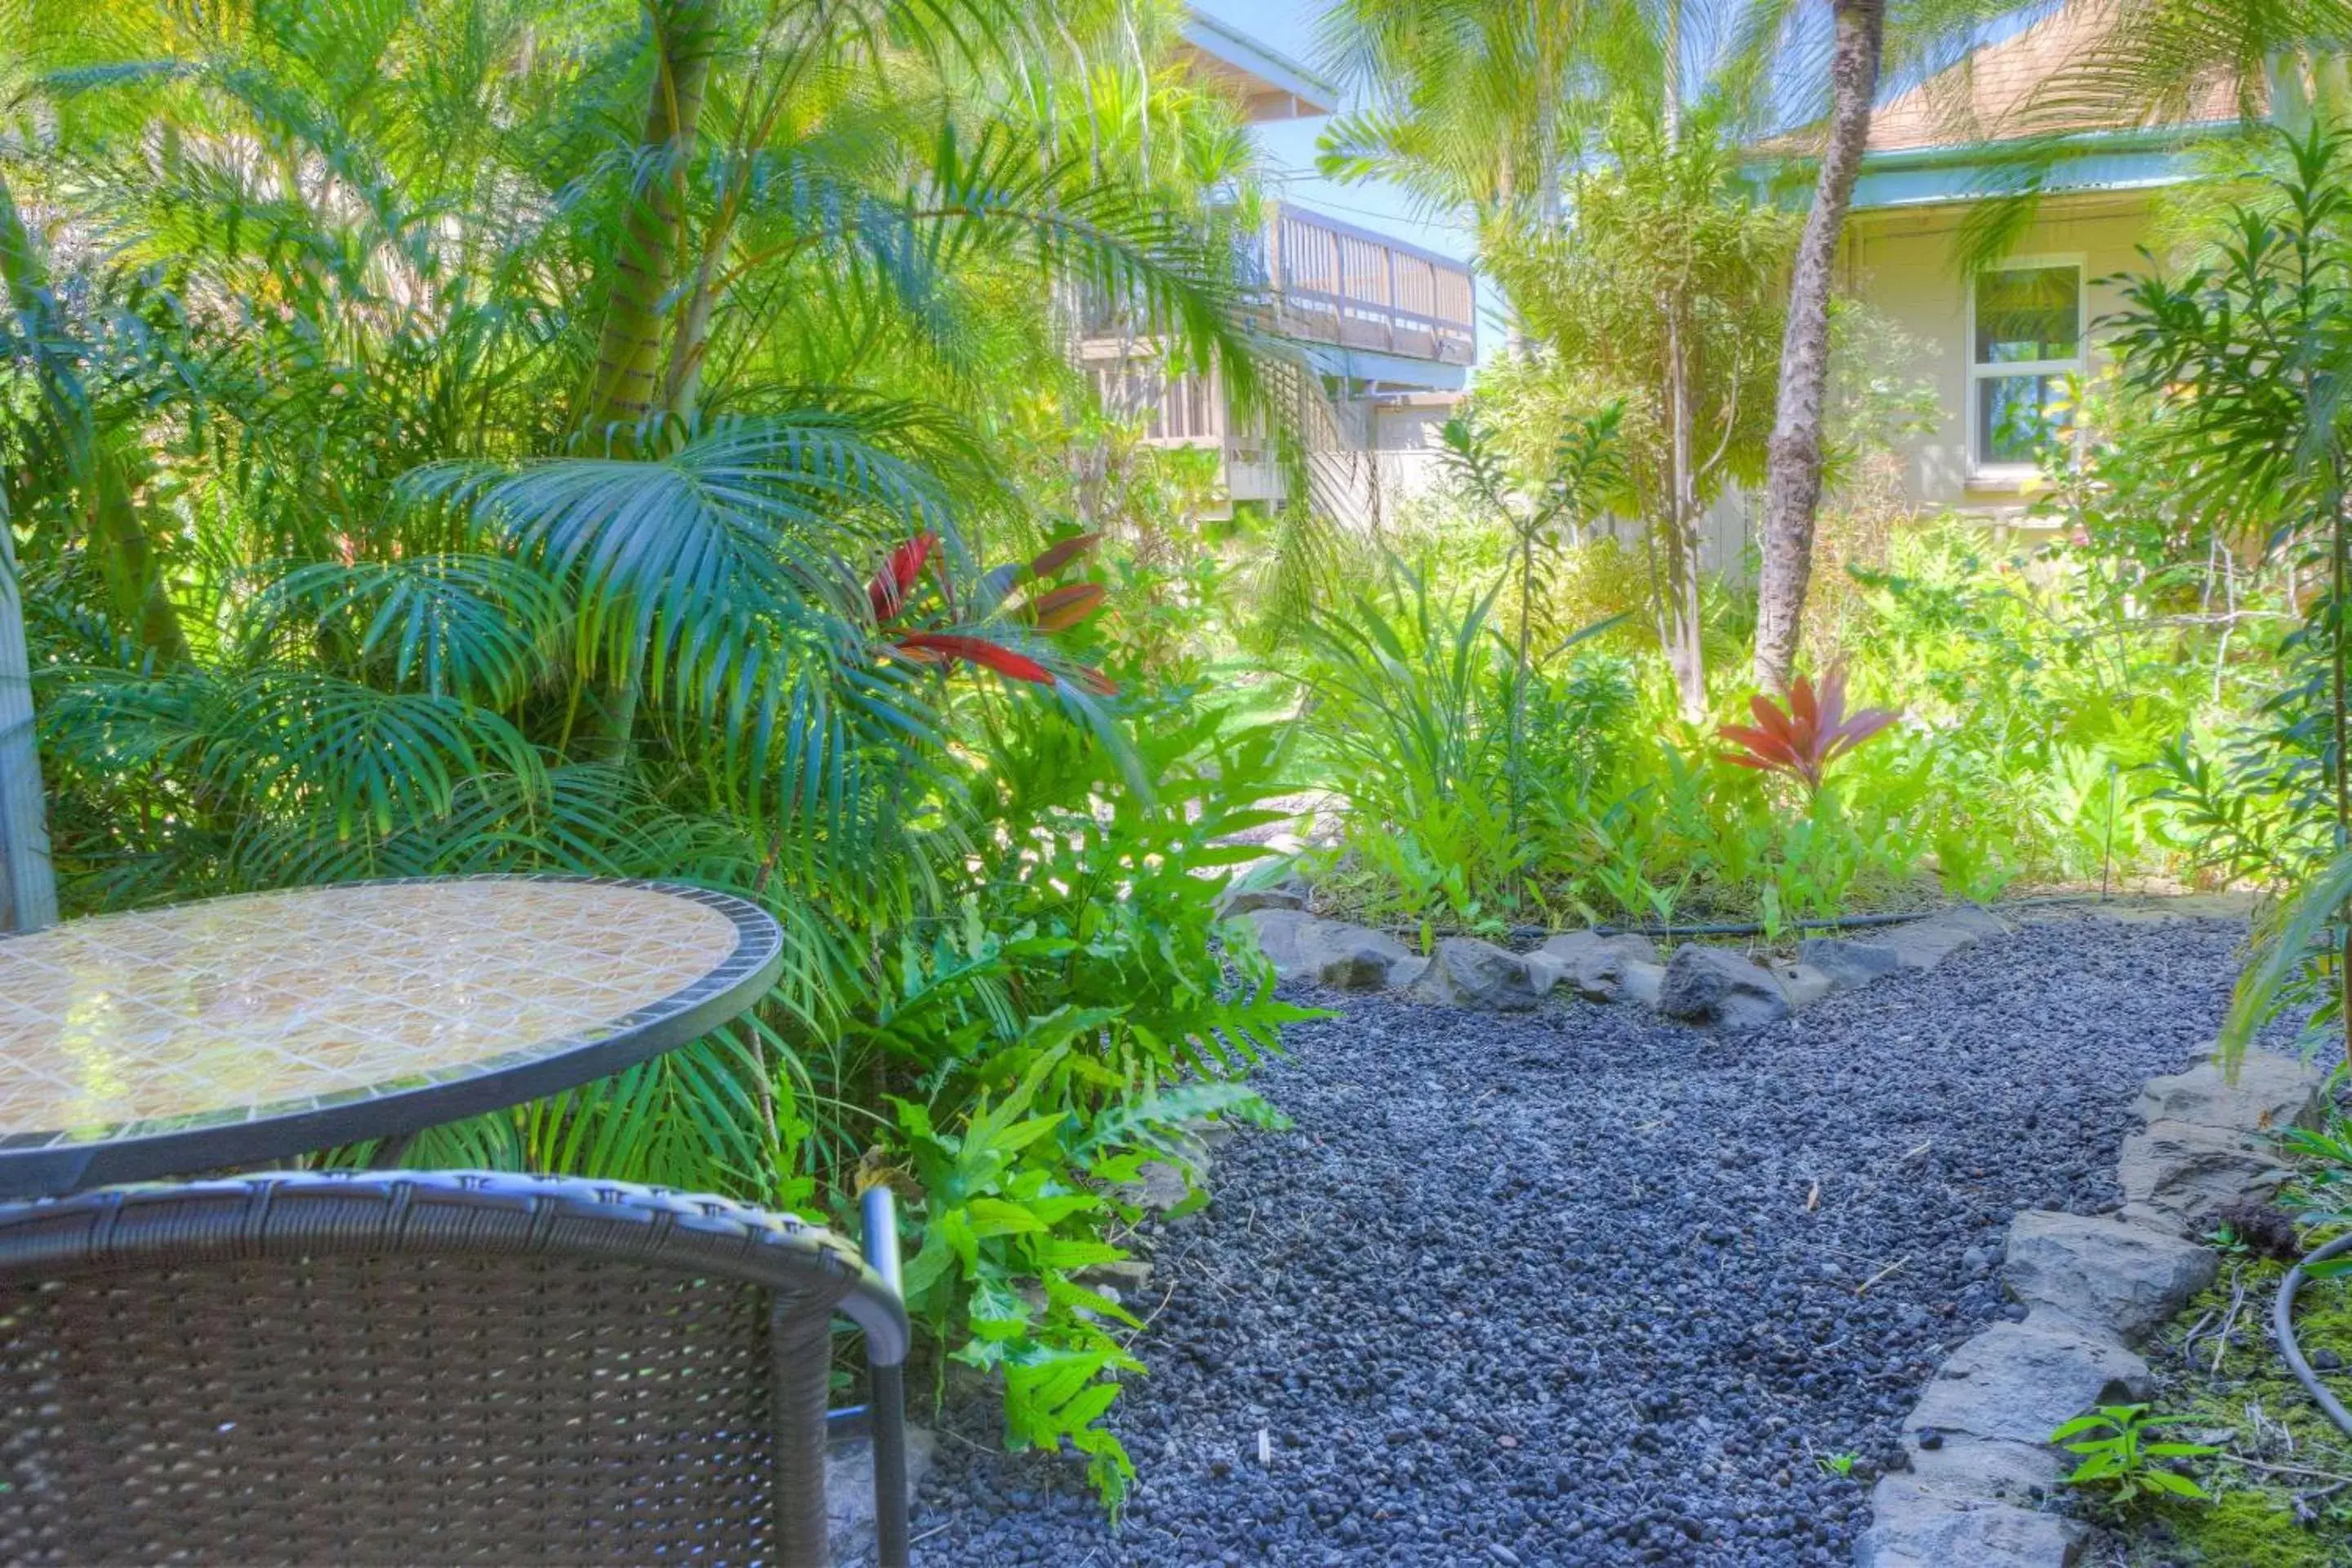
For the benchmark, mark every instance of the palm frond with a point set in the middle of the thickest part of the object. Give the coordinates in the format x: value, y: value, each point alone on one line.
x: 483, y: 627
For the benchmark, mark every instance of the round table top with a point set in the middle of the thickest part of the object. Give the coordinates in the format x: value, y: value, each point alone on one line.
x: 240, y: 1030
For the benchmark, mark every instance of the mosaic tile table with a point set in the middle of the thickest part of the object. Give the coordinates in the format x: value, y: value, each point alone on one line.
x: 238, y: 1031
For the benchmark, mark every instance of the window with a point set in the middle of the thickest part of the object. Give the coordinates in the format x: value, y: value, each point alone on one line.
x: 2025, y: 338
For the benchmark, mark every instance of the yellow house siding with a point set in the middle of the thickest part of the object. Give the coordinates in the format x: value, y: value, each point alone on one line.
x: 1904, y: 264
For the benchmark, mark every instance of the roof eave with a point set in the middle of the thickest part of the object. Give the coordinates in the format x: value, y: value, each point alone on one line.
x: 2131, y: 159
x: 2017, y: 149
x: 1267, y: 71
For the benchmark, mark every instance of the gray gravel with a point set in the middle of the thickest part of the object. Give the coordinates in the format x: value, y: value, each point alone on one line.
x: 1558, y: 1289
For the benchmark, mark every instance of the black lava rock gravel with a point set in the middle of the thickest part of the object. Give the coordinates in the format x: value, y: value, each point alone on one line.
x: 1582, y: 1287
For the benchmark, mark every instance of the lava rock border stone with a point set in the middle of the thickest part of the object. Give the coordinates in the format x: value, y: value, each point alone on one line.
x: 2093, y: 1287
x: 1714, y: 985
x: 1709, y: 986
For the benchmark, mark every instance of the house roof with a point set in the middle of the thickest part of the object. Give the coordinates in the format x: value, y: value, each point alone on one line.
x: 1270, y: 84
x: 1988, y: 96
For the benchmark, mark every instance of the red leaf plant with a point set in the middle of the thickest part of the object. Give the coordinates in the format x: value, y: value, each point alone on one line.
x: 1804, y: 738
x: 1055, y: 609
x: 888, y: 591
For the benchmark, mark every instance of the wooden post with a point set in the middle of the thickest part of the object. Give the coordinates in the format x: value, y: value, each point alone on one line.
x: 29, y: 893
x: 1392, y: 302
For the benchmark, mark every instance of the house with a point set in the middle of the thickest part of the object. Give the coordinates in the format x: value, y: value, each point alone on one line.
x: 1999, y: 340
x: 1388, y: 329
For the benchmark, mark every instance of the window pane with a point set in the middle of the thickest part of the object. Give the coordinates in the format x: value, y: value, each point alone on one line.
x: 2029, y: 313
x: 2014, y: 413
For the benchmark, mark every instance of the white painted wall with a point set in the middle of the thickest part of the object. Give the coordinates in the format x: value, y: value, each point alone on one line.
x: 1904, y: 264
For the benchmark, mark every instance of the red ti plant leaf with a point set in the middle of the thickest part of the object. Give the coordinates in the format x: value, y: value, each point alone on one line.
x: 1055, y: 557
x: 1053, y: 610
x: 887, y: 592
x: 1061, y: 608
x: 1802, y: 740
x: 930, y: 648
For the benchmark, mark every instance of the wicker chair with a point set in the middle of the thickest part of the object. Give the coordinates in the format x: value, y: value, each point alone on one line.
x: 423, y: 1367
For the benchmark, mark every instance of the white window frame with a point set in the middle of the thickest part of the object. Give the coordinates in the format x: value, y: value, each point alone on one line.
x: 2078, y: 366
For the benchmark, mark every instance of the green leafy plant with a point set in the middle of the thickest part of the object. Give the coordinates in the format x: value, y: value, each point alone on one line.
x: 1583, y: 473
x: 2120, y: 1454
x: 477, y: 483
x: 2246, y: 357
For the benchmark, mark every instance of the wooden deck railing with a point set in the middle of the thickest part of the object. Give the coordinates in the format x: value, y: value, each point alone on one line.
x: 1324, y: 281
x: 1330, y: 282
x: 1314, y: 279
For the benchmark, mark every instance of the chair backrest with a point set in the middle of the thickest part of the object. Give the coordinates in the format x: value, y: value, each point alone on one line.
x: 418, y: 1367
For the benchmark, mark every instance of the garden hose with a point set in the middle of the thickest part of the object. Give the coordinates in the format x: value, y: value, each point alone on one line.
x: 1757, y: 928
x: 2282, y: 1330
x: 1840, y: 922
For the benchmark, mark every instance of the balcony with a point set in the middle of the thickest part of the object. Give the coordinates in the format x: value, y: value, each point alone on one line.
x: 1382, y: 320
x: 1329, y: 282
x: 1406, y: 316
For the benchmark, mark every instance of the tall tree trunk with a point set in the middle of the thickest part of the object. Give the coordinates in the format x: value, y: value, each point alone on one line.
x: 621, y: 388
x: 1686, y: 649
x: 629, y: 348
x: 1514, y: 327
x: 1792, y: 486
x: 1520, y: 685
x: 2339, y: 556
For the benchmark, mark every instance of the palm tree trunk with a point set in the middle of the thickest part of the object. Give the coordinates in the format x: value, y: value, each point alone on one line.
x: 629, y: 348
x: 1792, y: 486
x: 1515, y: 329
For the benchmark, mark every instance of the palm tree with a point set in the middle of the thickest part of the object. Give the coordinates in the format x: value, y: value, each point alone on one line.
x: 1472, y: 105
x: 523, y: 405
x: 1793, y: 482
x: 2151, y: 62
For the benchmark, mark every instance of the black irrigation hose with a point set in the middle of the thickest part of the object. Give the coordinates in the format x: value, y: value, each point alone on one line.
x: 2282, y: 1330
x: 1844, y: 922
x: 1826, y: 922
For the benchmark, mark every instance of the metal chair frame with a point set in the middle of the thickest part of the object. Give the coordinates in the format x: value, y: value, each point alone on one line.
x: 279, y: 1228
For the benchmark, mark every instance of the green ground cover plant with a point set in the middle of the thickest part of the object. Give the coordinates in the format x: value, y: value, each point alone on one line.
x: 2042, y: 716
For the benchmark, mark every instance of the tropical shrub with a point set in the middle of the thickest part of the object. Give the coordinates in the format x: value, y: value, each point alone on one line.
x: 457, y: 436
x: 2240, y: 356
x: 2043, y: 685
